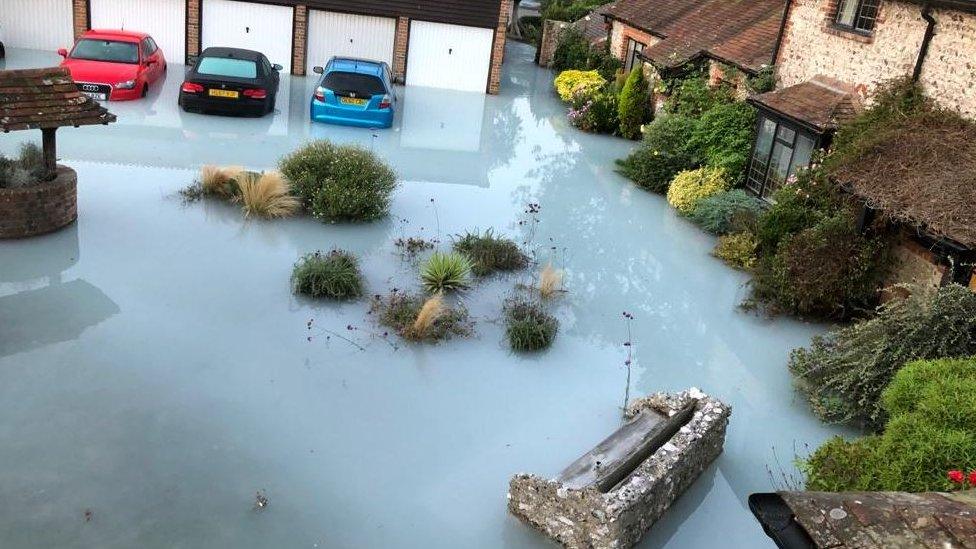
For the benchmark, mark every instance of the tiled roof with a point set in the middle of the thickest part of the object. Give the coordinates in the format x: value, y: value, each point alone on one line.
x: 45, y: 98
x: 593, y: 26
x: 740, y: 32
x: 844, y: 520
x: 818, y: 104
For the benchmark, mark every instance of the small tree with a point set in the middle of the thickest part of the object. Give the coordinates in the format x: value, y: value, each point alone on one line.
x: 635, y: 106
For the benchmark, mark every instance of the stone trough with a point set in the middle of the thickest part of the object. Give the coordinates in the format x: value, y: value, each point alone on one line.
x: 613, y: 494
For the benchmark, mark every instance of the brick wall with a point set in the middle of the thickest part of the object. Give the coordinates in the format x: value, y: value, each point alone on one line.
x: 39, y: 209
x: 192, y: 28
x: 551, y: 31
x: 299, y: 45
x: 620, y: 32
x: 400, y: 42
x: 498, y: 48
x: 812, y: 46
x: 79, y: 11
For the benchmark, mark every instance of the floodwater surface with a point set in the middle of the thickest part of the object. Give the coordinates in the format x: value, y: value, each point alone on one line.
x: 156, y: 372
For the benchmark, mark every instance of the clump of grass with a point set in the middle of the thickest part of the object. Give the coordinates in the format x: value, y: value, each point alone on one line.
x: 417, y: 319
x: 222, y: 182
x: 446, y: 272
x: 266, y: 195
x: 333, y: 275
x: 550, y: 281
x: 528, y: 326
x: 490, y: 253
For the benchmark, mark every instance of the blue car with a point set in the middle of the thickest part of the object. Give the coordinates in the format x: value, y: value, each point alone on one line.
x: 354, y: 92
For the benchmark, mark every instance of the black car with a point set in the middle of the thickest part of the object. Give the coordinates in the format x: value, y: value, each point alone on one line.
x: 230, y: 80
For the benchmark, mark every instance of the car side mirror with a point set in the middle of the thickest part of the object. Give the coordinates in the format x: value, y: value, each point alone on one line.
x: 63, y: 52
x: 318, y: 70
x: 277, y: 67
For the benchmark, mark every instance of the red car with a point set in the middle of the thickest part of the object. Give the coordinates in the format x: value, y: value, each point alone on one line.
x: 114, y: 65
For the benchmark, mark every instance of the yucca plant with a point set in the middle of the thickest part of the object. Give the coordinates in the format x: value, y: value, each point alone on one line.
x: 445, y: 272
x: 266, y: 195
x: 333, y: 275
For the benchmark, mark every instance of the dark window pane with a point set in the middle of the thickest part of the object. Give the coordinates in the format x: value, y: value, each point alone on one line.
x: 350, y: 83
x: 867, y: 15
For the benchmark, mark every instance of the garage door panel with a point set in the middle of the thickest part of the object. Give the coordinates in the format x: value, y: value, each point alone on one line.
x: 37, y: 24
x: 449, y: 56
x: 164, y: 20
x: 261, y: 27
x: 348, y: 35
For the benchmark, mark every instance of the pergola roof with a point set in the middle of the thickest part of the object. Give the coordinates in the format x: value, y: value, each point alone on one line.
x: 38, y: 99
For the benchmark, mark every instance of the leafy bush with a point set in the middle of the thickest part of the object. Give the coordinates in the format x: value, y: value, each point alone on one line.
x: 844, y: 372
x: 690, y: 186
x: 692, y: 96
x: 724, y: 135
x: 572, y: 51
x: 528, y: 326
x: 764, y: 81
x: 531, y: 28
x: 446, y: 272
x: 826, y: 271
x: 31, y: 159
x: 664, y: 152
x: 334, y: 275
x: 266, y: 195
x: 807, y: 200
x: 738, y: 250
x: 402, y: 312
x: 595, y: 111
x: 568, y: 10
x: 932, y: 406
x: 490, y: 253
x: 571, y: 83
x: 27, y: 169
x: 340, y: 182
x: 634, y: 108
x: 727, y: 212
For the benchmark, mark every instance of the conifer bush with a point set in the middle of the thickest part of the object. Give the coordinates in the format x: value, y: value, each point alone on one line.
x: 634, y: 107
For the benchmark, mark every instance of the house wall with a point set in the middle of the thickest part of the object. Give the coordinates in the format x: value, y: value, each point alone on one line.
x: 812, y: 46
x: 620, y: 32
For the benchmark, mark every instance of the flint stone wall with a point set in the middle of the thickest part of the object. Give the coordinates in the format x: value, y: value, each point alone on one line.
x: 619, y: 518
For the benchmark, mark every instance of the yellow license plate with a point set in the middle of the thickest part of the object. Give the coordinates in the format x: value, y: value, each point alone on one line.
x: 352, y: 101
x: 224, y: 93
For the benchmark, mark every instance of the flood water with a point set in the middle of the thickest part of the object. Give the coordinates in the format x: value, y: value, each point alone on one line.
x: 156, y: 372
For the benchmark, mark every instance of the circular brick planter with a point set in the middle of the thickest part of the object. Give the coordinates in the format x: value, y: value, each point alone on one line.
x: 39, y: 208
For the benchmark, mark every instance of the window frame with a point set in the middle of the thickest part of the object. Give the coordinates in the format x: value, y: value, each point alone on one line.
x: 634, y: 47
x: 765, y: 188
x: 859, y: 10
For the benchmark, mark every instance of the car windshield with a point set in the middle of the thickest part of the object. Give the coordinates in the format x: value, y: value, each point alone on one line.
x: 106, y: 50
x: 225, y: 66
x: 349, y: 83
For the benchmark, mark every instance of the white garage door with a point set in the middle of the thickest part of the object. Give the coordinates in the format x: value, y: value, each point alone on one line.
x: 164, y: 20
x: 37, y: 24
x: 259, y: 27
x: 348, y: 35
x: 448, y: 56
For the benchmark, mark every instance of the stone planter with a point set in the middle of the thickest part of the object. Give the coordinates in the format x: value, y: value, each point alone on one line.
x: 40, y: 208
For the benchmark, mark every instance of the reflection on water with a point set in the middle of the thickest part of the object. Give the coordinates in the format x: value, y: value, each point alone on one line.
x: 164, y: 407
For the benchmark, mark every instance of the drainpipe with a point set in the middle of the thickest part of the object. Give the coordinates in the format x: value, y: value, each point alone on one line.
x: 926, y: 40
x: 782, y: 30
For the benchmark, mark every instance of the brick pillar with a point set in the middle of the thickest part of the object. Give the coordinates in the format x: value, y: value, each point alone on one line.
x: 551, y: 31
x: 192, y: 28
x: 80, y: 22
x: 299, y: 46
x: 400, y: 41
x: 498, y: 49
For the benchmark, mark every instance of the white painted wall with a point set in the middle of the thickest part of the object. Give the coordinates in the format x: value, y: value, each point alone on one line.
x: 449, y: 56
x: 164, y: 20
x: 260, y: 27
x: 37, y: 24
x: 348, y: 35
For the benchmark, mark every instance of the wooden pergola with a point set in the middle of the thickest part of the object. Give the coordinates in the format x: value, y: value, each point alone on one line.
x: 46, y: 99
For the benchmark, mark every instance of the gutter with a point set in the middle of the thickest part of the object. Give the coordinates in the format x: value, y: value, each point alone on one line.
x: 926, y: 41
x: 782, y: 31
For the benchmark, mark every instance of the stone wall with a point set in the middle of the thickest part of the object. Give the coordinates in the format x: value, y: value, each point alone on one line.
x: 41, y: 208
x: 551, y: 31
x: 812, y: 46
x: 619, y: 518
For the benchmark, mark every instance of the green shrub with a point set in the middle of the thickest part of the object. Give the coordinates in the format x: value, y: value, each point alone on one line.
x: 446, y: 272
x: 827, y: 271
x: 531, y: 28
x: 595, y: 111
x: 528, y: 326
x: 568, y: 10
x: 634, y: 108
x: 572, y: 51
x: 664, y: 152
x: 932, y: 406
x: 728, y: 212
x: 340, y: 182
x: 844, y: 372
x: 807, y: 200
x: 692, y: 96
x: 738, y: 250
x: 603, y: 62
x: 724, y: 135
x: 764, y: 81
x: 400, y: 312
x: 334, y: 275
x: 691, y: 186
x: 571, y: 83
x: 31, y: 159
x: 490, y: 253
x: 27, y: 169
